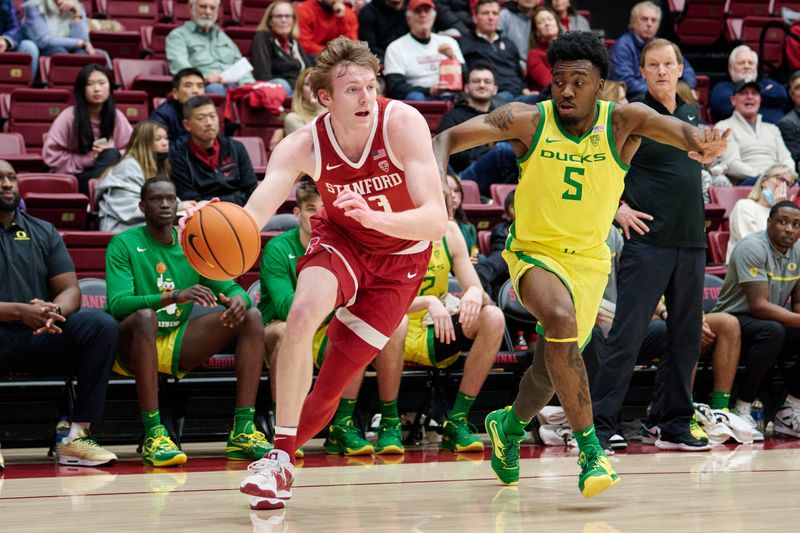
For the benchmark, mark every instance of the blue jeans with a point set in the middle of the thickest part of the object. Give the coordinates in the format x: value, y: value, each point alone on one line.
x: 283, y: 83
x: 29, y: 47
x: 216, y: 88
x: 497, y: 165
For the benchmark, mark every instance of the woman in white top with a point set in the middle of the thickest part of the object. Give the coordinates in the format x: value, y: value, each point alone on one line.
x: 750, y: 214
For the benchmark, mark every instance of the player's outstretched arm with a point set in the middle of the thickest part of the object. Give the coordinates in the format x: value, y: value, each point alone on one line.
x: 292, y: 157
x: 702, y: 144
x: 511, y: 121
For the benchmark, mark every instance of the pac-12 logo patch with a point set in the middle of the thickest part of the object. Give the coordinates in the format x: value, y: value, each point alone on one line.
x: 383, y: 165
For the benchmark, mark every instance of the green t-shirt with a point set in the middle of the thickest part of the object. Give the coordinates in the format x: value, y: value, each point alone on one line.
x: 139, y: 269
x: 279, y: 275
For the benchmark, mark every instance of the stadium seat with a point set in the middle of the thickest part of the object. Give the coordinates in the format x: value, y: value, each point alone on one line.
x: 484, y: 216
x: 88, y: 252
x: 699, y: 22
x: 118, y: 43
x: 472, y: 195
x: 133, y: 105
x: 499, y: 192
x: 703, y: 90
x: 718, y: 245
x: 59, y: 71
x: 55, y: 198
x: 745, y: 8
x: 257, y: 153
x: 712, y: 286
x: 13, y: 150
x: 40, y: 182
x: 258, y: 122
x: 32, y: 111
x: 154, y: 39
x: 149, y: 75
x: 15, y: 71
x: 248, y: 12
x: 93, y: 294
x: 433, y: 111
x: 508, y: 302
x: 484, y: 241
x: 242, y: 36
x: 728, y: 196
x: 132, y: 14
x: 178, y: 11
x: 254, y: 292
x: 747, y: 31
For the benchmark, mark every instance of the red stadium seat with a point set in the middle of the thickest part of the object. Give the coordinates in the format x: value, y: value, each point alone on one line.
x: 258, y: 122
x: 60, y: 70
x: 485, y: 217
x: 484, y: 241
x: 718, y: 245
x: 703, y: 90
x: 88, y: 252
x: 132, y: 14
x: 133, y: 105
x: 15, y: 71
x: 55, y: 198
x: 40, y: 182
x: 32, y: 111
x: 118, y: 43
x: 242, y: 36
x: 747, y: 30
x: 472, y: 194
x: 149, y: 75
x: 500, y: 191
x: 700, y: 22
x: 433, y: 111
x: 13, y: 150
x: 154, y: 39
x: 257, y: 153
x: 747, y: 8
x: 728, y: 196
x: 249, y: 12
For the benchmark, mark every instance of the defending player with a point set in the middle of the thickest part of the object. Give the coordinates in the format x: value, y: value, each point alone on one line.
x: 373, y: 163
x: 574, y: 152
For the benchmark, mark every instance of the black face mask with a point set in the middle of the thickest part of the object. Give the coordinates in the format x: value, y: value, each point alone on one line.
x: 161, y: 156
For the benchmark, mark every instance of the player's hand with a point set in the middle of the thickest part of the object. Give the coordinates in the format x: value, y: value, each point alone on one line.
x: 711, y: 144
x: 629, y: 218
x: 354, y: 206
x: 470, y: 306
x: 236, y: 310
x: 707, y: 337
x: 199, y: 294
x: 190, y: 211
x: 41, y: 316
x: 442, y: 322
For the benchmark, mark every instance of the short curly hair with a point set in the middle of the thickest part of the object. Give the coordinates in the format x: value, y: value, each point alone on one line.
x: 577, y: 45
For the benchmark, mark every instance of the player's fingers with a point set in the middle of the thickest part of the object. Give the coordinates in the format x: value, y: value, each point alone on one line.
x: 626, y: 230
x: 643, y: 215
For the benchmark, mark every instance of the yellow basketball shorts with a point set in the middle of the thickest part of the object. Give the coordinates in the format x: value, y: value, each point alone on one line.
x: 168, y: 348
x: 420, y: 346
x: 319, y: 345
x: 584, y: 275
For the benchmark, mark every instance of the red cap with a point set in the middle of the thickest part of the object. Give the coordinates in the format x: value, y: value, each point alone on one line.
x: 415, y: 4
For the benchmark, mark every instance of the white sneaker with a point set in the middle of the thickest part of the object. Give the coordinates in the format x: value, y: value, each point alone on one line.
x: 556, y: 435
x: 617, y: 442
x: 787, y: 421
x: 747, y: 417
x: 2, y: 461
x: 83, y: 451
x: 270, y: 481
x: 269, y: 523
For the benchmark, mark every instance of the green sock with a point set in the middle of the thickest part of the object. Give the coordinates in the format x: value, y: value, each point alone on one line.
x: 513, y: 424
x: 719, y: 400
x: 241, y: 417
x: 586, y: 438
x: 151, y: 420
x: 462, y: 406
x: 389, y: 411
x: 344, y: 413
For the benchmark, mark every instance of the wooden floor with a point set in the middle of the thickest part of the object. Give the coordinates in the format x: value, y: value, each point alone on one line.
x: 730, y: 489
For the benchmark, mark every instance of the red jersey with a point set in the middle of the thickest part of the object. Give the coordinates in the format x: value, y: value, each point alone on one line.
x: 377, y: 176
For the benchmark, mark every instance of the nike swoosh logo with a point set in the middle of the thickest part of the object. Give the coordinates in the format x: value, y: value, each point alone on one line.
x: 331, y: 167
x: 192, y: 237
x: 497, y: 446
x: 152, y: 415
x: 548, y: 140
x: 691, y: 117
x: 292, y: 256
x: 141, y: 249
x: 587, y: 433
x: 411, y: 275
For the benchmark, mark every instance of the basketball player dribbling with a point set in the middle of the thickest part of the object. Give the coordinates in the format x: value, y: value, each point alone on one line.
x: 574, y: 152
x: 373, y: 163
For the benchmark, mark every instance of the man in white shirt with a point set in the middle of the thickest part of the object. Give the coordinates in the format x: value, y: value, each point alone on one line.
x: 411, y: 64
x: 754, y: 145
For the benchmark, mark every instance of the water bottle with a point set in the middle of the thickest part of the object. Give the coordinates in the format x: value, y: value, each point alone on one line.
x: 62, y: 429
x: 757, y: 412
x: 521, y: 345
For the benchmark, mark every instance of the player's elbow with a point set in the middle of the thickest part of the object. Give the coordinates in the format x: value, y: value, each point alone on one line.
x: 437, y: 227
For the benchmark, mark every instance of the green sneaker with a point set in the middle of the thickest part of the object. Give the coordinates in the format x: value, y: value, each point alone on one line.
x: 345, y: 439
x: 250, y: 445
x: 390, y: 439
x: 505, y: 448
x: 697, y: 432
x: 458, y: 436
x: 159, y: 450
x: 597, y: 474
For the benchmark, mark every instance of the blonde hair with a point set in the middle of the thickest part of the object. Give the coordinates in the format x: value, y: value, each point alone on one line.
x: 611, y: 90
x: 140, y: 147
x: 264, y: 24
x: 305, y: 109
x: 771, y: 172
x: 341, y: 52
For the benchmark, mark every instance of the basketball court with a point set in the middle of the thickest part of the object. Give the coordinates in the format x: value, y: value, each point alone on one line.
x: 730, y: 489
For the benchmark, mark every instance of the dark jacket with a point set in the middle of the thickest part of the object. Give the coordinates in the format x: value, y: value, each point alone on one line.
x: 454, y: 14
x: 790, y: 131
x: 271, y: 61
x: 170, y: 114
x: 625, y: 55
x: 379, y: 24
x: 462, y: 112
x: 492, y: 269
x: 9, y: 23
x: 502, y: 54
x: 234, y: 180
x: 773, y: 101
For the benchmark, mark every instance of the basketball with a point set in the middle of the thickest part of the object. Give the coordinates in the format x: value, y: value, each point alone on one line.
x: 221, y: 241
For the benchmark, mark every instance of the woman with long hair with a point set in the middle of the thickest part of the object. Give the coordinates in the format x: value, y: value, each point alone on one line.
x: 468, y: 229
x: 569, y: 17
x: 83, y: 139
x: 118, y: 193
x: 304, y: 105
x: 545, y: 28
x: 275, y: 52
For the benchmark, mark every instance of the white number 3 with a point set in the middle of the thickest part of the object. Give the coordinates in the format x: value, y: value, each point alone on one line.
x: 382, y: 202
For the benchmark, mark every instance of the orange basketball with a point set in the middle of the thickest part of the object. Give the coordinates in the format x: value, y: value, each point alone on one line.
x: 221, y: 241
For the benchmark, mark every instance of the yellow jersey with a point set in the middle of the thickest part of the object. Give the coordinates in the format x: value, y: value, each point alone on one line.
x: 569, y: 187
x: 435, y: 283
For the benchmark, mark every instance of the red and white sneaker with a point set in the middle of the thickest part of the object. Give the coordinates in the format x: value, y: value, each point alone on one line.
x: 270, y: 482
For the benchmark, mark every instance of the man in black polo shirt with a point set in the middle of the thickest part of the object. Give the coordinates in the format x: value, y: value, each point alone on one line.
x: 666, y: 259
x: 40, y: 329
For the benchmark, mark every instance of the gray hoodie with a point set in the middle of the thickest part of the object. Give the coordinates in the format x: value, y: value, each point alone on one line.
x: 118, y: 195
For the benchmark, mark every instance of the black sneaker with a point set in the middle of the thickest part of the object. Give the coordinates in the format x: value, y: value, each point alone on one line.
x: 685, y: 442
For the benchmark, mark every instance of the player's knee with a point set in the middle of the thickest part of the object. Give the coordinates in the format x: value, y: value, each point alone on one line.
x: 305, y: 314
x: 402, y: 329
x: 492, y: 319
x: 145, y: 323
x: 252, y: 321
x: 728, y: 326
x: 273, y: 333
x: 559, y: 321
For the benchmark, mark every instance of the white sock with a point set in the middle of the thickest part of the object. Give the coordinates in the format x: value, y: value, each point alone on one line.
x: 742, y: 408
x: 77, y: 429
x: 794, y: 402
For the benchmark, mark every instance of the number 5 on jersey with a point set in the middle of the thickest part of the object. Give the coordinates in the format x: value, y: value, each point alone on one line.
x: 576, y: 190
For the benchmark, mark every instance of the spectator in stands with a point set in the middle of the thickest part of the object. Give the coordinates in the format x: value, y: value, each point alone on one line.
x: 41, y: 331
x: 667, y: 259
x: 569, y: 17
x: 627, y: 51
x: 750, y: 214
x: 484, y: 44
x: 493, y: 269
x: 322, y: 21
x: 186, y: 83
x: 515, y: 23
x: 86, y: 137
x: 412, y: 61
x: 210, y: 165
x: 152, y: 289
x: 201, y: 44
x: 468, y: 229
x: 790, y: 123
x: 57, y: 27
x: 11, y: 35
x: 615, y: 91
x: 545, y: 29
x: 761, y: 290
x: 743, y: 66
x: 278, y: 283
x: 276, y: 54
x: 118, y: 193
x: 754, y: 145
x: 305, y: 105
x: 380, y: 22
x: 469, y: 323
x: 483, y: 164
x: 456, y: 16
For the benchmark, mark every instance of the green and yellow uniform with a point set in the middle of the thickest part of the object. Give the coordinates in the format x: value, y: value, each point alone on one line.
x: 138, y: 270
x: 419, y: 344
x: 568, y: 194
